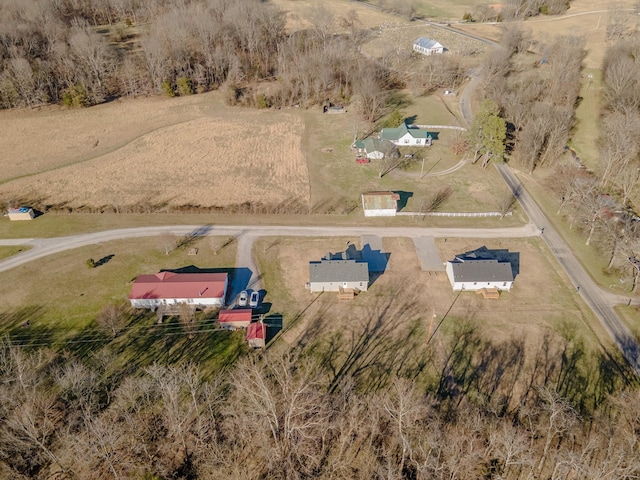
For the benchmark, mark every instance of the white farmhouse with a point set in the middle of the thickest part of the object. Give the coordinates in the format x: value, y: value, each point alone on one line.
x: 404, y: 136
x: 380, y: 204
x: 426, y: 46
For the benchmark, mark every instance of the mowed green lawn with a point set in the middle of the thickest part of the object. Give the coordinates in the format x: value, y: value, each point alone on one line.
x: 54, y: 302
x: 6, y: 252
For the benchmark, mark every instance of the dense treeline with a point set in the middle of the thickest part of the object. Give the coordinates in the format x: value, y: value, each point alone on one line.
x: 83, y: 52
x: 536, y: 93
x: 601, y: 201
x: 380, y: 404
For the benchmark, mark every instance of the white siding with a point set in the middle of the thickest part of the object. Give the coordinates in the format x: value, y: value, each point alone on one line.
x: 156, y: 302
x: 473, y: 286
x: 335, y: 286
x: 382, y: 212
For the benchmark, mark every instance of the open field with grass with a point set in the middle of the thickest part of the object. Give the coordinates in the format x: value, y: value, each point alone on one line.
x: 206, y: 156
x: 9, y: 251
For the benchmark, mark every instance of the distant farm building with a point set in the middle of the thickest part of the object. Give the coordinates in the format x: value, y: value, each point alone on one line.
x: 374, y: 148
x: 331, y: 275
x: 257, y: 335
x: 169, y: 288
x: 403, y: 136
x: 427, y: 46
x: 22, y: 213
x: 480, y: 269
x: 380, y: 204
x: 235, y: 319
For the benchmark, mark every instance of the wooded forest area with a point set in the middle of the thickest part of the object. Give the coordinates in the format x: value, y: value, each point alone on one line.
x: 379, y: 405
x: 81, y: 53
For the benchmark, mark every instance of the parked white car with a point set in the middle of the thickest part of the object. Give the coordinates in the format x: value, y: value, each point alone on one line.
x: 242, y: 298
x: 255, y: 298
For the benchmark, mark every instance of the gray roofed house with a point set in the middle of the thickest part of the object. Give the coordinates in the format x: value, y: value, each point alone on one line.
x: 480, y: 269
x: 331, y: 275
x: 427, y: 46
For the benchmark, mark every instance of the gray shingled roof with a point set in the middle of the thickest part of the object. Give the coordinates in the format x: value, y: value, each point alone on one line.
x: 484, y: 270
x: 427, y: 43
x: 338, y: 271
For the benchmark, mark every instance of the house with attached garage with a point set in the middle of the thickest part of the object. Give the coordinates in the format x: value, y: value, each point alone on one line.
x: 481, y: 269
x: 199, y: 290
x: 427, y: 46
x: 329, y: 275
x: 374, y: 148
x: 380, y: 204
x: 403, y: 136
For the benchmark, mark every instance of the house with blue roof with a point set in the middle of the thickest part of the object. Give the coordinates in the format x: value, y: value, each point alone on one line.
x: 427, y: 46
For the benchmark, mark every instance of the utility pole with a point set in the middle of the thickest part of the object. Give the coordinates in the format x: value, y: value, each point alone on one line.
x: 433, y: 317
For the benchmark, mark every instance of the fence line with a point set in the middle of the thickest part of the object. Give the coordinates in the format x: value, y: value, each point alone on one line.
x: 450, y: 127
x: 456, y: 214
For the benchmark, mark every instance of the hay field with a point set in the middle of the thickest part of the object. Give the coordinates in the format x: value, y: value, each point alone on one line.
x: 155, y: 151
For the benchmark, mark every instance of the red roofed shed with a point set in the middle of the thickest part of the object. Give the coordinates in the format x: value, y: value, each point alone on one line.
x: 204, y: 289
x: 257, y: 334
x: 234, y: 319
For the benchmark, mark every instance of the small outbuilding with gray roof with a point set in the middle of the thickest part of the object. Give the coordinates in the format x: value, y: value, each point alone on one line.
x: 477, y: 270
x: 332, y: 275
x: 427, y: 46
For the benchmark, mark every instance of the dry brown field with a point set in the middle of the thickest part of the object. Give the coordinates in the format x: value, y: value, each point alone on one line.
x: 156, y: 151
x: 540, y: 302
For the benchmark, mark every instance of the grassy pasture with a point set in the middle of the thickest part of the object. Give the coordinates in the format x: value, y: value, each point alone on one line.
x: 6, y: 252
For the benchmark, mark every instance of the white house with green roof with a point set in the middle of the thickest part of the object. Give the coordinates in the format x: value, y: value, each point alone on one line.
x: 403, y: 136
x: 374, y: 148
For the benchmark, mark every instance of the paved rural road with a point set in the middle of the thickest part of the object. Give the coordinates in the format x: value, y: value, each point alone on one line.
x: 601, y: 302
x: 41, y: 247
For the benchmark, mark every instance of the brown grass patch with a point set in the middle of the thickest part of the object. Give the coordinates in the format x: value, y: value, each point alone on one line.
x: 197, y: 156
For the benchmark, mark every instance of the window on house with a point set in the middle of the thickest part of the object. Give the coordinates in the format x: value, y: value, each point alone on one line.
x: 504, y: 284
x: 475, y: 283
x: 406, y: 140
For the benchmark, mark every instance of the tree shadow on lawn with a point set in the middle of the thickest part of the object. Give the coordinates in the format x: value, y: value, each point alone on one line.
x: 169, y: 342
x: 385, y: 341
x: 24, y: 327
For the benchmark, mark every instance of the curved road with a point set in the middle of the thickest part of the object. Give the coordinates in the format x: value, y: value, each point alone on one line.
x: 41, y: 247
x: 599, y: 301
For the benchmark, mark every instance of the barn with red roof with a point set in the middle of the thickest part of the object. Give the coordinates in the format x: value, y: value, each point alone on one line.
x: 170, y: 288
x: 235, y: 319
